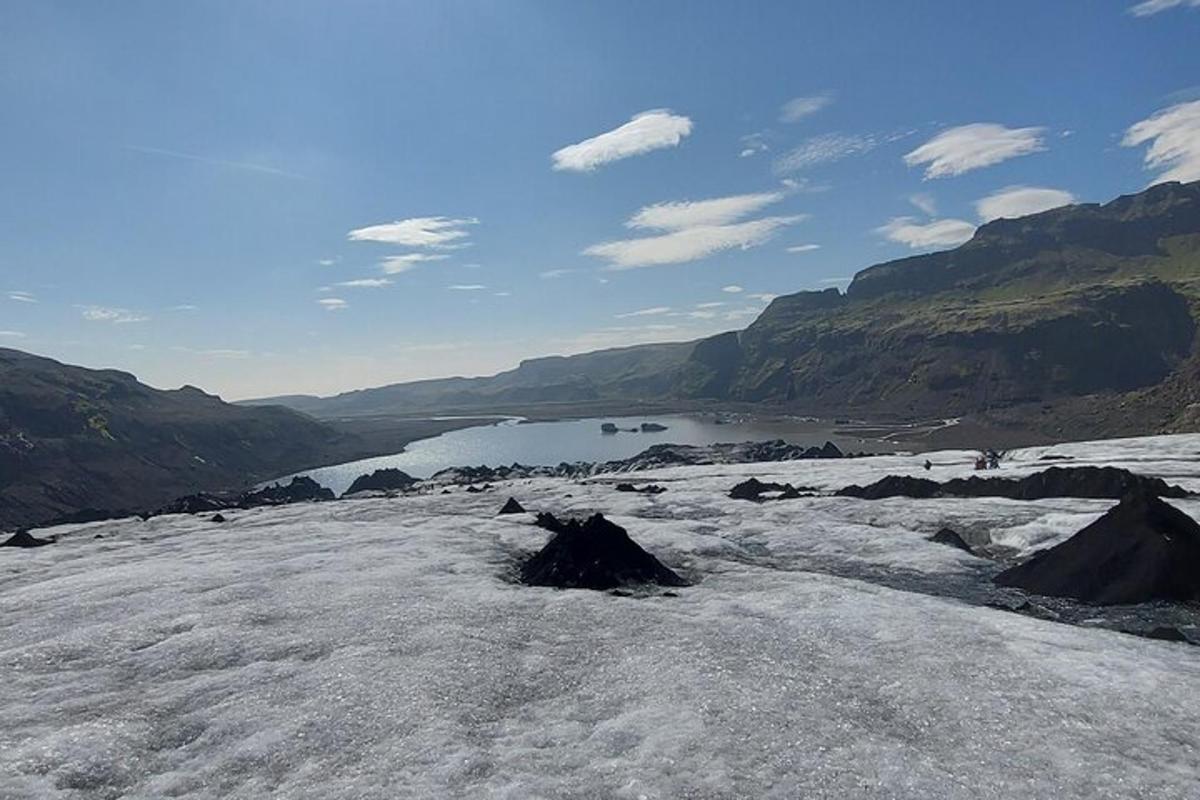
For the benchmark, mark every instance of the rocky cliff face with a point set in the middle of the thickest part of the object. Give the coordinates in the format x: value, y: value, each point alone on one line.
x: 1068, y: 303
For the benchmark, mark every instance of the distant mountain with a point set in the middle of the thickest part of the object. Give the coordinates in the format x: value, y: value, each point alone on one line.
x: 73, y: 438
x: 1079, y: 301
x: 1079, y: 320
x: 619, y: 375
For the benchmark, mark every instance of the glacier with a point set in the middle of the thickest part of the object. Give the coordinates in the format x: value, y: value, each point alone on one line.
x: 379, y: 648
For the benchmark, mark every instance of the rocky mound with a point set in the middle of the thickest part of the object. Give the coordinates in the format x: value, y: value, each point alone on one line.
x: 1143, y: 549
x: 952, y: 538
x: 592, y: 554
x: 25, y: 539
x: 754, y: 489
x: 301, y: 489
x: 1099, y: 483
x: 200, y: 503
x: 650, y: 488
x: 381, y: 480
x: 512, y: 507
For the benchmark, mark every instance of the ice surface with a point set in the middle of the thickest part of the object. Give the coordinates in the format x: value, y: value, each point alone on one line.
x: 377, y: 648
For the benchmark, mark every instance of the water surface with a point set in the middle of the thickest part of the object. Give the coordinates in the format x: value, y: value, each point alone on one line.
x: 549, y: 443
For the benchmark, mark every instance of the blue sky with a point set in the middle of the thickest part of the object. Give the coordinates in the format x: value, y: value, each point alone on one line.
x: 273, y: 197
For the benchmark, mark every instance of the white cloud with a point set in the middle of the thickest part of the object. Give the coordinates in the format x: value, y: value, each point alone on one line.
x: 835, y: 281
x: 710, y: 305
x: 690, y: 214
x: 803, y: 248
x: 466, y: 287
x: 941, y: 232
x: 333, y: 303
x: 12, y: 334
x: 645, y: 312
x: 431, y: 232
x: 748, y: 312
x: 1174, y: 137
x: 798, y: 108
x: 22, y: 297
x: 1018, y: 201
x: 247, y: 166
x: 764, y: 297
x: 365, y: 283
x: 183, y: 307
x: 754, y: 143
x: 650, y: 130
x: 967, y: 147
x: 822, y: 149
x: 732, y: 289
x: 117, y: 316
x: 925, y: 203
x: 394, y: 265
x: 688, y: 244
x: 502, y: 294
x: 328, y: 262
x: 1148, y: 7
x: 551, y: 274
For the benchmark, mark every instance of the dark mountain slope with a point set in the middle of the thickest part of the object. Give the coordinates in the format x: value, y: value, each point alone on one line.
x: 1075, y: 302
x: 73, y: 438
x: 621, y: 374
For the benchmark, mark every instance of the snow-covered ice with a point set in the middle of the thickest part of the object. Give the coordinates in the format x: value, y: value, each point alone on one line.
x: 377, y: 648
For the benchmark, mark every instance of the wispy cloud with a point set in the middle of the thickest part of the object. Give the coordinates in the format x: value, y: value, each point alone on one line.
x: 12, y: 335
x: 328, y: 262
x: 333, y: 304
x: 803, y: 248
x: 823, y: 149
x: 645, y: 312
x: 183, y: 307
x: 967, y: 147
x: 1174, y: 138
x: 226, y: 353
x: 551, y: 274
x: 1149, y: 7
x: 246, y: 166
x: 754, y: 143
x: 394, y: 265
x: 1018, y: 201
x: 690, y: 214
x: 941, y: 232
x: 365, y: 283
x: 798, y: 108
x: 466, y: 287
x: 694, y: 230
x: 502, y: 294
x: 763, y: 297
x: 22, y: 297
x: 439, y: 233
x: 689, y: 244
x: 650, y: 130
x: 924, y: 203
x: 117, y: 316
x: 732, y: 289
x: 710, y: 305
x: 835, y: 281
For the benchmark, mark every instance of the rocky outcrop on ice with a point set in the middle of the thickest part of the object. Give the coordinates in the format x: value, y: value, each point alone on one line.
x: 660, y: 455
x: 650, y: 488
x: 593, y: 554
x: 1143, y: 549
x: 948, y: 536
x: 1111, y: 483
x: 756, y: 490
x: 512, y: 507
x: 301, y: 489
x: 381, y: 480
x: 24, y: 538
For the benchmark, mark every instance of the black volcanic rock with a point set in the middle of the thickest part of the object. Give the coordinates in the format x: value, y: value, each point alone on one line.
x: 512, y: 507
x: 950, y: 537
x: 1143, y: 549
x: 217, y: 518
x: 301, y: 489
x: 754, y: 489
x: 24, y: 538
x: 200, y: 503
x: 894, y: 486
x: 650, y: 488
x: 592, y: 554
x: 652, y: 427
x: 1098, y: 483
x: 389, y: 479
